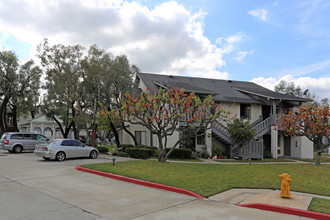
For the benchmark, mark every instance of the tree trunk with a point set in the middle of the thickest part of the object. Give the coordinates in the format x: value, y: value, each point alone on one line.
x: 318, y: 158
x: 14, y: 112
x: 67, y: 129
x: 60, y: 126
x: 74, y: 127
x: 113, y: 128
x: 162, y: 153
x: 130, y: 133
x: 2, y: 114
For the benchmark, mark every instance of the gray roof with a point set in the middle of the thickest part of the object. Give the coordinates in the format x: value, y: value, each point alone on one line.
x: 222, y: 90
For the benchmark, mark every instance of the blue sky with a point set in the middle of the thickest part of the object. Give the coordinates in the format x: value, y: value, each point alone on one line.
x: 261, y: 41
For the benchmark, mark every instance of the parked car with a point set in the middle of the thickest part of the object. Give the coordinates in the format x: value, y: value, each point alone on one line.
x: 17, y: 142
x: 61, y: 149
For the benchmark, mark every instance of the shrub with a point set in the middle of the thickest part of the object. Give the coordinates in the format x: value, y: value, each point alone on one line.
x: 102, y: 149
x: 193, y: 156
x: 141, y: 153
x: 154, y: 149
x: 217, y: 151
x: 180, y: 153
x: 123, y: 147
x: 120, y: 154
x: 268, y: 154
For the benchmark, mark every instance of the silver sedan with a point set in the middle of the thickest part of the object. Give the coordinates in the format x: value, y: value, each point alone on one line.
x: 61, y: 149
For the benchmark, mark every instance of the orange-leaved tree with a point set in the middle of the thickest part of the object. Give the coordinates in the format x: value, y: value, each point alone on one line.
x: 167, y: 111
x: 308, y: 120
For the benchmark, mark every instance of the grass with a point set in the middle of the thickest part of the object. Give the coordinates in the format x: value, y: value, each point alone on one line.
x: 255, y: 161
x: 185, y: 160
x: 324, y: 159
x: 320, y: 205
x: 325, y: 154
x: 211, y: 179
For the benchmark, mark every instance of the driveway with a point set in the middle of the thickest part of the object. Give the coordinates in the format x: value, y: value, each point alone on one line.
x: 32, y: 188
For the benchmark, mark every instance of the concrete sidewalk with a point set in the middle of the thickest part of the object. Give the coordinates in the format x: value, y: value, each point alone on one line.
x: 272, y: 197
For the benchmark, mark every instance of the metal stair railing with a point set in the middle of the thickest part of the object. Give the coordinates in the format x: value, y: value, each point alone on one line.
x: 221, y: 131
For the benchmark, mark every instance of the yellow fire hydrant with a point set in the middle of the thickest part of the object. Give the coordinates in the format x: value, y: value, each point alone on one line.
x: 285, y: 185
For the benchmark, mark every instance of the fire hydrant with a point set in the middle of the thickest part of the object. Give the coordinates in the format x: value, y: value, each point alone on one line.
x: 285, y: 185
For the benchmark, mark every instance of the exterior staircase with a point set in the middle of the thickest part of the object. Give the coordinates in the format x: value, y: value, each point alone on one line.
x: 254, y: 149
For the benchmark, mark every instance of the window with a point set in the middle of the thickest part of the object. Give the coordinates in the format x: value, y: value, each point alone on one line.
x: 66, y: 143
x: 140, y: 137
x: 41, y: 137
x: 28, y: 136
x: 245, y: 111
x: 76, y: 143
x: 16, y: 136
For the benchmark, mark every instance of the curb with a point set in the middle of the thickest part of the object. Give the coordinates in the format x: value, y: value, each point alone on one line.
x: 140, y: 182
x: 285, y: 210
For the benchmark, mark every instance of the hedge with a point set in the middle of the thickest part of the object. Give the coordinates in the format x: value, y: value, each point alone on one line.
x: 120, y: 154
x: 102, y: 149
x: 140, y: 153
x: 180, y: 153
x: 123, y: 147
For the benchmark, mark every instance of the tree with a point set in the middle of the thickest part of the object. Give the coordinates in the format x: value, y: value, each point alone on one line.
x: 165, y: 112
x: 290, y: 89
x: 311, y: 121
x: 105, y: 77
x: 18, y: 88
x: 241, y: 131
x: 63, y: 77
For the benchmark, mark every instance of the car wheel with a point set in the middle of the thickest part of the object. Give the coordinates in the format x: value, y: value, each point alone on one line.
x: 93, y: 154
x: 60, y: 156
x: 18, y: 149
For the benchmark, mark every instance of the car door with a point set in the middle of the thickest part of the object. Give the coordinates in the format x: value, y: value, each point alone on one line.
x: 80, y: 150
x: 68, y: 148
x: 28, y: 142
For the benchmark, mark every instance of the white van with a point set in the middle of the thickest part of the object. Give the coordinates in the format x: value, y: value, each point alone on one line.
x: 17, y: 142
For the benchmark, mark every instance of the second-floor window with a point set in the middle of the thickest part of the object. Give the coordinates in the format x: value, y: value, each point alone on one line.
x: 245, y: 111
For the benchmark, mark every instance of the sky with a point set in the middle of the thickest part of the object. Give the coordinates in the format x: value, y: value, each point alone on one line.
x: 261, y: 41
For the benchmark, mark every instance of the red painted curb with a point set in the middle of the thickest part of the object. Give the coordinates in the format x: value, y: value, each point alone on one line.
x: 286, y: 210
x: 141, y: 182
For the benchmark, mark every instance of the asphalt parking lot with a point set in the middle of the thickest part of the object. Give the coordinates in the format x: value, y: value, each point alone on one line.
x: 32, y: 188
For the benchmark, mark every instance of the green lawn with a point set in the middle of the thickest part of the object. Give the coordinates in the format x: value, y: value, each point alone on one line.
x: 256, y: 161
x: 320, y: 205
x: 210, y: 179
x: 324, y: 159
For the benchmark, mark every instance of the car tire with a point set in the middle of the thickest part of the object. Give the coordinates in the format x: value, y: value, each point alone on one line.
x: 60, y: 156
x: 93, y: 154
x: 18, y: 149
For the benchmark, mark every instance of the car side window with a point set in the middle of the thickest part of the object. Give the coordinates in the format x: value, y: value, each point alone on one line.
x: 28, y: 136
x: 16, y: 136
x: 34, y: 136
x: 41, y: 137
x: 66, y: 143
x: 77, y: 144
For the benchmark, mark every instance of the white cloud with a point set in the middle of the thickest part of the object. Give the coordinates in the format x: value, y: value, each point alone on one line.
x: 261, y: 14
x: 319, y: 86
x: 240, y: 55
x: 165, y: 39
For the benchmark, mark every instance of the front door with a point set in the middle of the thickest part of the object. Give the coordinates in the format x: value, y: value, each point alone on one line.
x: 287, y: 146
